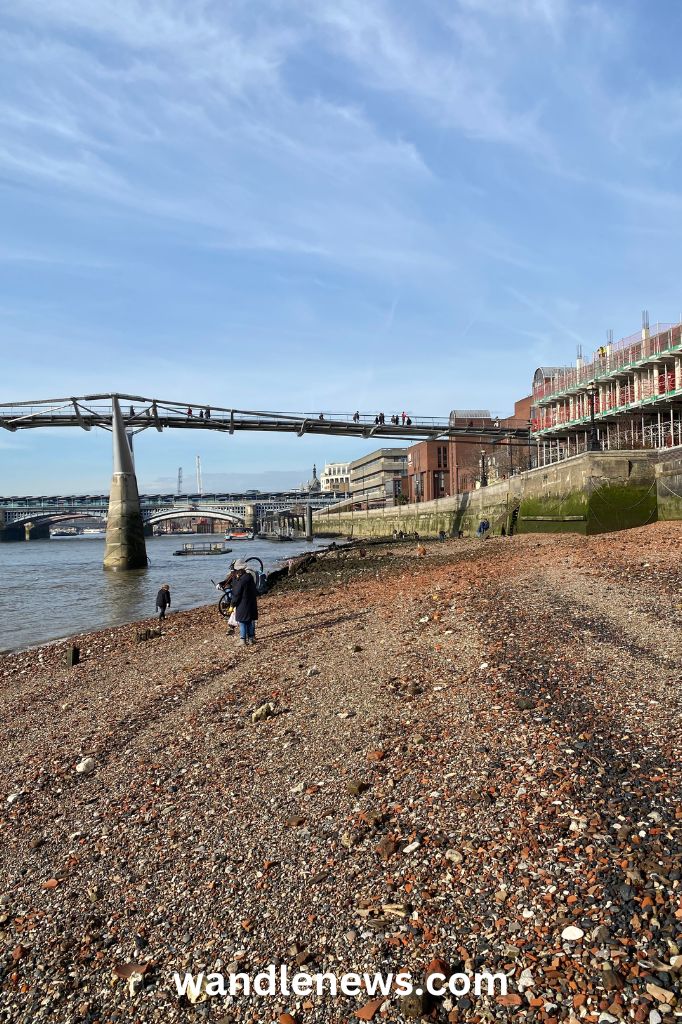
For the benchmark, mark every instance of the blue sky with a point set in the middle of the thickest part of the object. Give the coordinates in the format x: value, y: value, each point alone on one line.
x: 322, y: 205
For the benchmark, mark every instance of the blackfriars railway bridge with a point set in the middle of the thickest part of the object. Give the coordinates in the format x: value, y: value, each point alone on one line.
x: 30, y: 518
x: 124, y: 416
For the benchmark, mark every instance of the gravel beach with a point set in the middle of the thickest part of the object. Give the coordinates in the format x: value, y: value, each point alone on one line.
x: 466, y: 759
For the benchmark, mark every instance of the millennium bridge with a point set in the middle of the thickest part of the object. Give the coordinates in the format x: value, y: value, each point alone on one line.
x: 128, y: 516
x: 139, y: 413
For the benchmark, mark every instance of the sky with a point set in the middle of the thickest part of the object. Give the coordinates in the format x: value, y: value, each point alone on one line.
x: 322, y: 205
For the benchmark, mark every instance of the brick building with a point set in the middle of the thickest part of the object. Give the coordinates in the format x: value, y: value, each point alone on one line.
x: 428, y: 473
x: 439, y: 469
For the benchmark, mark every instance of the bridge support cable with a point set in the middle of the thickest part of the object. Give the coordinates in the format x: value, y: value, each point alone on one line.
x: 155, y: 415
x: 79, y: 417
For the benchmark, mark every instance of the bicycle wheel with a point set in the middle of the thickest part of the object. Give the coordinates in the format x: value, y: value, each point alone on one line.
x: 224, y: 605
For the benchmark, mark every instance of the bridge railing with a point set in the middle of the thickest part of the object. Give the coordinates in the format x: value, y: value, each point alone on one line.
x: 139, y: 410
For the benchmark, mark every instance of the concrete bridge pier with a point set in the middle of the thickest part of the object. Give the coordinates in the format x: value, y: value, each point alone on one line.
x: 124, y: 546
x: 249, y: 516
x: 33, y: 531
x: 22, y: 531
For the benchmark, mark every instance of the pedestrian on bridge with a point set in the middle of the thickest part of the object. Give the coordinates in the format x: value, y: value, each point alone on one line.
x: 356, y: 417
x: 163, y: 601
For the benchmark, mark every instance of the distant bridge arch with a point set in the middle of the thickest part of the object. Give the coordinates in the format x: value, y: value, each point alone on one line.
x: 192, y: 513
x: 52, y: 518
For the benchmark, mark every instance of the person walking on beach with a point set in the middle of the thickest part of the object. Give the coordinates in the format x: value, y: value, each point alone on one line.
x: 245, y: 601
x: 163, y: 600
x: 483, y: 528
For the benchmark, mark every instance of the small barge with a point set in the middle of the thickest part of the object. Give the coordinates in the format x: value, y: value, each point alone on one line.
x: 210, y: 548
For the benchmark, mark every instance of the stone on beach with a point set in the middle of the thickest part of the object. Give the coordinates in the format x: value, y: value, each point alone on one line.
x: 503, y: 800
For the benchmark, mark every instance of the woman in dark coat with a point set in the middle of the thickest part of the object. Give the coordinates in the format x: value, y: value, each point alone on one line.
x: 245, y: 602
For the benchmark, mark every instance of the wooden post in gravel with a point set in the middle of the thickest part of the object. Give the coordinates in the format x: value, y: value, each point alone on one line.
x: 73, y: 656
x: 125, y: 546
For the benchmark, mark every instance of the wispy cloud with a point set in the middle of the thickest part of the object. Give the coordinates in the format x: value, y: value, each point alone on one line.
x: 447, y: 80
x: 551, y: 318
x: 206, y: 197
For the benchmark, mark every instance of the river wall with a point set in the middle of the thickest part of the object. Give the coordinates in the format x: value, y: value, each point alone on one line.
x: 669, y: 486
x: 596, y: 492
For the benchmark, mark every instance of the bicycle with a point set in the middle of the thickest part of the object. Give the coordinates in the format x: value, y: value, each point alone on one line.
x: 225, y: 599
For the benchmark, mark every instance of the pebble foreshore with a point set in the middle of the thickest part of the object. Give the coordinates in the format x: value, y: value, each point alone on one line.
x: 471, y: 761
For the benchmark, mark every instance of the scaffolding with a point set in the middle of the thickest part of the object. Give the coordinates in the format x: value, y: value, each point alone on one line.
x: 628, y: 397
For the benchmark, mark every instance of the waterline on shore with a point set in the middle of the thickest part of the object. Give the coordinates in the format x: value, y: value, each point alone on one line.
x: 52, y: 590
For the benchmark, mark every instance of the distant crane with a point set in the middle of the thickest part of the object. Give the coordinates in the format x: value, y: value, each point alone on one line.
x: 200, y: 490
x: 179, y: 479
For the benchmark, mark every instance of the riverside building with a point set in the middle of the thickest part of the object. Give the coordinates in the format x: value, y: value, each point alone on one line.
x: 442, y: 468
x: 629, y: 396
x: 336, y: 477
x: 377, y: 477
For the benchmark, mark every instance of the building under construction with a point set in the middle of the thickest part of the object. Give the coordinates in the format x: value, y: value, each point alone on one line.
x: 628, y: 397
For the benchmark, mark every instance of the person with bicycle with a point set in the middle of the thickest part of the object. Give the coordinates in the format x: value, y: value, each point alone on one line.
x: 226, y: 586
x: 245, y: 599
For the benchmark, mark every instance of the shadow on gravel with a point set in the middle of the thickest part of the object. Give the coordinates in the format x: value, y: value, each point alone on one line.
x: 313, y: 627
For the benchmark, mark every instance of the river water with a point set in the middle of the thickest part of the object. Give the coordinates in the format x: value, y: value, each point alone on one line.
x: 55, y: 588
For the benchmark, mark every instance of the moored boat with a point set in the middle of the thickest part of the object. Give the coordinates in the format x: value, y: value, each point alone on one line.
x: 212, y: 548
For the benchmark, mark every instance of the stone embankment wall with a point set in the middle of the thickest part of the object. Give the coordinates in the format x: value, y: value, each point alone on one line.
x: 669, y: 486
x: 592, y: 493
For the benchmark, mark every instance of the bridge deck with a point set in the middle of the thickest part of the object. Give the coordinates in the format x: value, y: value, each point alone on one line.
x: 141, y: 413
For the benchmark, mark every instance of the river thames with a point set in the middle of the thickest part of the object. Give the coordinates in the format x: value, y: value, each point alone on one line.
x: 55, y: 588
